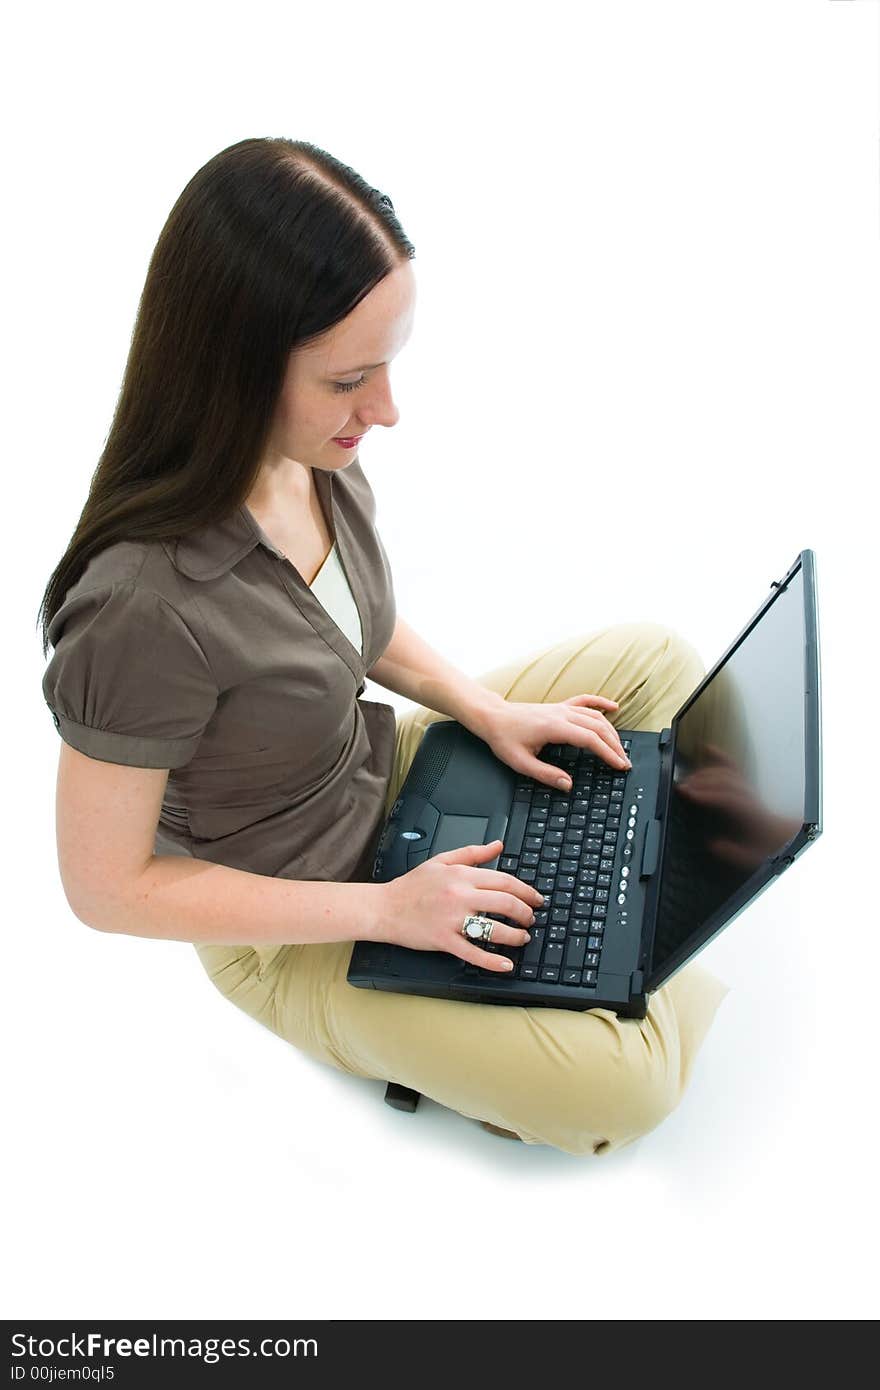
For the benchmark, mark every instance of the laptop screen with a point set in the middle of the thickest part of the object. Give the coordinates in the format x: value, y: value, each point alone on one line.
x: 738, y: 787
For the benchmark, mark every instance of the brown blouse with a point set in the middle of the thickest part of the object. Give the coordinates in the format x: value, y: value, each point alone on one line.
x: 211, y: 656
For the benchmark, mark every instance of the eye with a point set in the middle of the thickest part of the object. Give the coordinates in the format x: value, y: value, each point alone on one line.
x: 349, y: 385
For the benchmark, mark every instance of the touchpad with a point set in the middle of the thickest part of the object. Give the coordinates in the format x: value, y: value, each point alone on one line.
x: 455, y: 831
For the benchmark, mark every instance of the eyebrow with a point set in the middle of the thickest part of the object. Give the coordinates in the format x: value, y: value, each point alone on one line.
x: 367, y: 367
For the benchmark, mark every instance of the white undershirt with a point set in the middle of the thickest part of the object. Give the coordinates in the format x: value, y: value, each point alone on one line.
x: 333, y: 592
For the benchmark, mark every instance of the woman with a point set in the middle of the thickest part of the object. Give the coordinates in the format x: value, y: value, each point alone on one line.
x: 220, y: 604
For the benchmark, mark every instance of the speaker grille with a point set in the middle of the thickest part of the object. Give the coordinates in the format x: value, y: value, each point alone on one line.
x: 429, y: 765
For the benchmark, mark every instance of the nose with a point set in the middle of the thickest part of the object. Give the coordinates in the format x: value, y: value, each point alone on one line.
x: 377, y: 407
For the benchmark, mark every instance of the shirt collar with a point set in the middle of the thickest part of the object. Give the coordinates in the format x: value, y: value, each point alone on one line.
x: 213, y: 550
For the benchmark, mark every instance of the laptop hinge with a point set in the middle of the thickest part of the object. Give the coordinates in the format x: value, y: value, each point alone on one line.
x: 781, y: 863
x: 638, y: 999
x: 665, y: 736
x: 651, y: 851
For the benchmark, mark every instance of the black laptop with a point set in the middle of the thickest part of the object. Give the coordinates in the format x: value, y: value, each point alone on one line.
x: 640, y: 868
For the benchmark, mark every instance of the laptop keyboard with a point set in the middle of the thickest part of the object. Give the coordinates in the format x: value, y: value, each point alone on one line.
x: 564, y: 844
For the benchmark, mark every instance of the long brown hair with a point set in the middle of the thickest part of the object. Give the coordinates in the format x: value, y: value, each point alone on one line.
x: 269, y: 245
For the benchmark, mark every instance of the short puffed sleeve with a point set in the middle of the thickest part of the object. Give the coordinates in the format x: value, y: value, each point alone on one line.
x: 128, y: 681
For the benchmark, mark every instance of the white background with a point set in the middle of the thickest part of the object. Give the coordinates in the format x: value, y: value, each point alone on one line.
x: 643, y: 377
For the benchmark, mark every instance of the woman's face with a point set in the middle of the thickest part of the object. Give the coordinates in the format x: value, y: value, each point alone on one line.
x: 340, y: 387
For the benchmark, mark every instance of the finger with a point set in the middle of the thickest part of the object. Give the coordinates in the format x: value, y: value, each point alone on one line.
x: 508, y: 884
x: 502, y: 935
x: 506, y: 905
x: 608, y: 731
x: 470, y: 854
x: 488, y: 960
x: 585, y: 699
x: 605, y: 747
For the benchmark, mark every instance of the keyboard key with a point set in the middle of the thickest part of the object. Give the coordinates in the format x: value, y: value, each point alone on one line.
x: 574, y: 952
x: 516, y: 825
x: 571, y: 977
x: 531, y: 952
x: 550, y: 973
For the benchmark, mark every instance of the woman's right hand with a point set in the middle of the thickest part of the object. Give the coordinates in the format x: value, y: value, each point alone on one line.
x: 426, y: 907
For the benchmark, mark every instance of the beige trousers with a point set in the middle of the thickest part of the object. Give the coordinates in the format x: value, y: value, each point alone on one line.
x: 584, y: 1082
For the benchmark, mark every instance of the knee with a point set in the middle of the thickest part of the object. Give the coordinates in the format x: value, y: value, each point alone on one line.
x: 643, y: 1100
x: 668, y: 669
x: 673, y: 654
x: 608, y: 1112
x: 685, y: 660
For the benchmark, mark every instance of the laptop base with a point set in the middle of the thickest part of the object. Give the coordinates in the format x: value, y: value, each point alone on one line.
x: 441, y: 976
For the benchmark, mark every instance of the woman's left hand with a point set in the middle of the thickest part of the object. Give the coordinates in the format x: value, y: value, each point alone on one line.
x: 516, y: 732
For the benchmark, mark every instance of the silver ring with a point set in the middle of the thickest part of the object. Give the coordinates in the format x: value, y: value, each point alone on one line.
x: 477, y: 928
